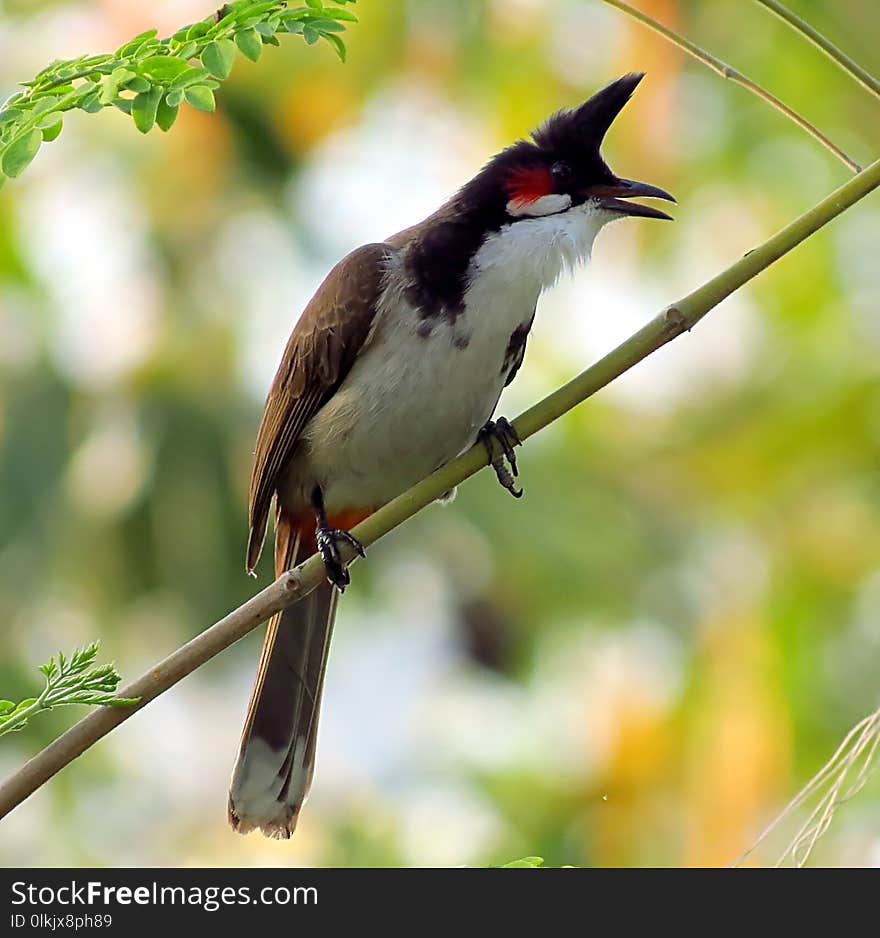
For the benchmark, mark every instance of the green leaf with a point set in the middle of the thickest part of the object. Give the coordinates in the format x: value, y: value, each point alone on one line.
x: 18, y: 155
x: 310, y: 34
x: 187, y: 50
x: 147, y: 34
x: 529, y: 863
x: 138, y: 83
x: 26, y: 704
x: 97, y: 61
x: 174, y: 98
x: 200, y: 97
x: 192, y: 76
x: 49, y: 120
x: 10, y: 114
x: 45, y: 103
x: 255, y: 11
x: 338, y: 45
x: 92, y: 103
x: 124, y: 105
x: 110, y: 88
x: 301, y: 13
x: 121, y: 702
x: 219, y: 57
x: 345, y: 15
x: 6, y: 705
x: 328, y: 26
x: 162, y: 68
x: 52, y: 131
x: 197, y: 30
x: 144, y: 108
x: 166, y: 114
x: 133, y: 45
x: 68, y: 89
x: 85, y: 656
x: 315, y: 4
x: 248, y: 40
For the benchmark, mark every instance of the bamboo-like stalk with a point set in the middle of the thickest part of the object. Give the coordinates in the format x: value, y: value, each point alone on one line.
x: 727, y: 71
x: 845, y: 62
x: 671, y: 322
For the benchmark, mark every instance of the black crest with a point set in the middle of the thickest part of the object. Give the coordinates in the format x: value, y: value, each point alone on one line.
x: 440, y: 250
x: 579, y: 131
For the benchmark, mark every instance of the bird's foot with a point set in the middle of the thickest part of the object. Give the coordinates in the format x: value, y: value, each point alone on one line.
x: 504, y: 433
x: 329, y: 540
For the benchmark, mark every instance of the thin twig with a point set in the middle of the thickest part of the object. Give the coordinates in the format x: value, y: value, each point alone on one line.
x: 670, y: 323
x: 851, y: 67
x: 727, y: 71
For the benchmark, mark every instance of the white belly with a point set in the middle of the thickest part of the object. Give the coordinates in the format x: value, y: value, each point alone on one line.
x: 411, y: 402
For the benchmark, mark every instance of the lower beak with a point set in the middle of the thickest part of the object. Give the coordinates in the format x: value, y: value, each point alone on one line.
x: 611, y: 196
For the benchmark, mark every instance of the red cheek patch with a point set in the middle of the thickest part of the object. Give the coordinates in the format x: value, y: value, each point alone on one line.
x: 528, y: 183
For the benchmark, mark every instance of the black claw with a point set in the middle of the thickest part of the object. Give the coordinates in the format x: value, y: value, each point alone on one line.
x: 505, y: 478
x: 505, y: 433
x: 352, y: 542
x: 508, y: 431
x: 328, y: 544
x: 508, y: 437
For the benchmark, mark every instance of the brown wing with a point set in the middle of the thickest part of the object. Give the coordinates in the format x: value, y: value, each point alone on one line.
x: 516, y: 349
x: 318, y: 356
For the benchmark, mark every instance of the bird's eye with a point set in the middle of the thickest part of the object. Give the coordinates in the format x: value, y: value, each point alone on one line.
x: 561, y: 173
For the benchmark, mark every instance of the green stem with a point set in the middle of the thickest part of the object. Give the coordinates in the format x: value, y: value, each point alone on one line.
x: 20, y: 719
x: 293, y: 585
x: 88, y: 74
x: 851, y: 67
x: 727, y: 71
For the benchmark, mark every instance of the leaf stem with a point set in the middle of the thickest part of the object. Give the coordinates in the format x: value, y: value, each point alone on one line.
x: 67, y: 682
x: 726, y: 71
x: 21, y: 718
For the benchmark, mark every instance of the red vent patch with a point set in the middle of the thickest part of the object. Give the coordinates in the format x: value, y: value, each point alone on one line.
x: 529, y: 183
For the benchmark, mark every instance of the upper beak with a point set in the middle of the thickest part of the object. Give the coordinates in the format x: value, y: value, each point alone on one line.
x: 611, y: 196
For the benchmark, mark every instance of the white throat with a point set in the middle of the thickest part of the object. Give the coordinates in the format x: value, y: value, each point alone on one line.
x: 532, y: 253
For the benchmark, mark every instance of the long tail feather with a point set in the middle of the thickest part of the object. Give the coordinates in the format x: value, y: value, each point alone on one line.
x: 273, y: 773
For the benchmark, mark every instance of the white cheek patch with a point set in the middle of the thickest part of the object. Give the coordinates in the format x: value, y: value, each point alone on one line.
x: 537, y: 208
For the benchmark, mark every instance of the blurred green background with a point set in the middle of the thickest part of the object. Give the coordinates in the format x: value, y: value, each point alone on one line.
x: 640, y: 661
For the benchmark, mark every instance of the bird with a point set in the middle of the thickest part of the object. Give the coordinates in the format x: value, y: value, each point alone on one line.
x: 394, y: 367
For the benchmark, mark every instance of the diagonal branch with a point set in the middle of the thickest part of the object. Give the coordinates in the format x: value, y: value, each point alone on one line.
x: 727, y: 71
x: 670, y: 323
x: 849, y: 65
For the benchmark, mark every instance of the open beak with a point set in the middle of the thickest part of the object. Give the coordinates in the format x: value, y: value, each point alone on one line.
x: 611, y: 195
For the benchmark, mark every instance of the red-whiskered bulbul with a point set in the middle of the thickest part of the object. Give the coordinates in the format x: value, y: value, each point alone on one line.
x: 395, y: 367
